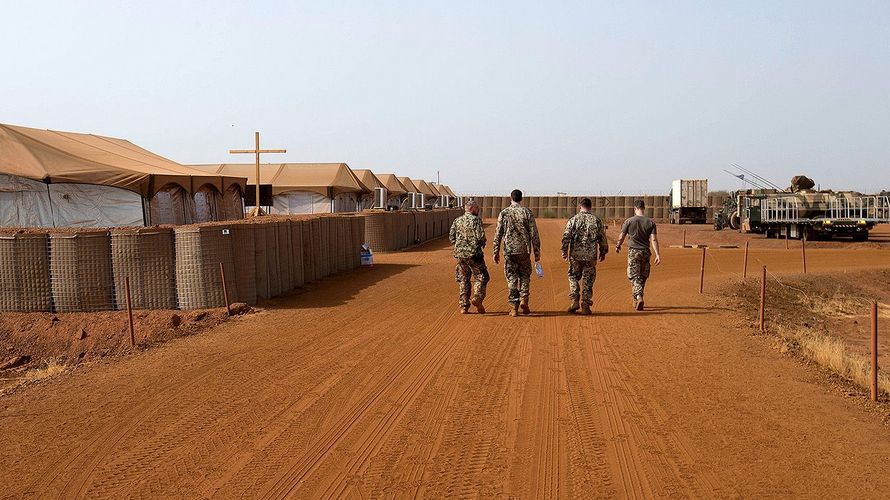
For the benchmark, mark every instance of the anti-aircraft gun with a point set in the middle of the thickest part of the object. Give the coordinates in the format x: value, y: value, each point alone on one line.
x: 802, y: 212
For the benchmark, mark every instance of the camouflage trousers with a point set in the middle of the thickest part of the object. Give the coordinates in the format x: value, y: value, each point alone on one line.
x: 518, y: 271
x: 582, y: 274
x: 637, y: 270
x: 471, y: 275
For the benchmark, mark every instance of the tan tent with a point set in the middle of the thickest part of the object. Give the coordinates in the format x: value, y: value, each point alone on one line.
x: 302, y: 187
x: 377, y: 197
x: 53, y: 156
x: 409, y: 185
x: 392, y: 184
x: 449, y: 191
x: 425, y: 188
x: 54, y: 178
x: 368, y: 180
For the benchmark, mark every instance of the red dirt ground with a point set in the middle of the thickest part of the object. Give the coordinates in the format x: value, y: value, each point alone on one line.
x: 374, y: 385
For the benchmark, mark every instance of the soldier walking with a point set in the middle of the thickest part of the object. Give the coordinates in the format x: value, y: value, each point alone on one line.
x: 468, y: 238
x: 583, y: 242
x: 519, y: 234
x: 641, y: 230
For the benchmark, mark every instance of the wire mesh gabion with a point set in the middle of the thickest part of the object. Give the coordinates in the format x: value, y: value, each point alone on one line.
x: 285, y: 272
x: 24, y: 273
x: 296, y: 252
x: 272, y: 262
x: 146, y: 256
x: 243, y: 248
x: 308, y: 253
x: 199, y: 252
x: 81, y: 271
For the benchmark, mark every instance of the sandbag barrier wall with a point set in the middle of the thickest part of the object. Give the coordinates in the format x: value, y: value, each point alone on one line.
x: 85, y: 269
x: 607, y: 207
x: 393, y: 231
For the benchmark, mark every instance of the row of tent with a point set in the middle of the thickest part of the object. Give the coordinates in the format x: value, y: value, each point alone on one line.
x: 51, y: 178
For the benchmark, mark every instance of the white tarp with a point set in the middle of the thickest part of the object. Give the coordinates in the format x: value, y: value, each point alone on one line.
x: 29, y: 203
x: 306, y: 202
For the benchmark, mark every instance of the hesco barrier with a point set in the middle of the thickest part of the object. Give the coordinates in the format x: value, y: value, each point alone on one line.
x: 85, y: 270
x: 199, y: 250
x: 24, y: 273
x: 80, y: 271
x: 392, y: 231
x: 146, y: 256
x: 608, y: 207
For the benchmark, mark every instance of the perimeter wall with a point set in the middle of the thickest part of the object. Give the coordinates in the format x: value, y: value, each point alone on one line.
x: 607, y: 207
x: 68, y: 270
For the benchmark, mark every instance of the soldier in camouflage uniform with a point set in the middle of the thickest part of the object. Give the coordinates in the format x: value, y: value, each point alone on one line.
x: 583, y: 241
x: 519, y: 234
x: 641, y: 230
x: 468, y: 238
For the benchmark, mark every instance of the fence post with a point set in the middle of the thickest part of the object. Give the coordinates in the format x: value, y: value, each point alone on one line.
x: 222, y: 275
x: 684, y: 238
x: 874, y: 351
x: 803, y: 251
x: 130, y: 312
x: 763, y: 300
x: 701, y: 283
x: 745, y: 268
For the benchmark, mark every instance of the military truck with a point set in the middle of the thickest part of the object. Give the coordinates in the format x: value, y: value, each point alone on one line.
x: 801, y: 212
x: 689, y: 201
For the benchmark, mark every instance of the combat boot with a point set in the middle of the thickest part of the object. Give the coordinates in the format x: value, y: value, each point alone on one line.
x: 523, y: 305
x: 464, y: 310
x: 640, y: 304
x: 574, y: 307
x: 514, y: 310
x: 585, y: 310
x: 477, y: 303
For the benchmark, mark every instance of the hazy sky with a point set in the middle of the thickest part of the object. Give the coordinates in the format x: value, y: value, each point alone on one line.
x: 546, y: 96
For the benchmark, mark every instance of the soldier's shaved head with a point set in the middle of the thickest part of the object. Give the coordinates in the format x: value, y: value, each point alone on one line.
x: 516, y: 195
x: 639, y: 204
x: 586, y: 203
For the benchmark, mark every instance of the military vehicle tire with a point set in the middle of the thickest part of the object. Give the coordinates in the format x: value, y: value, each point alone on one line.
x: 734, y: 222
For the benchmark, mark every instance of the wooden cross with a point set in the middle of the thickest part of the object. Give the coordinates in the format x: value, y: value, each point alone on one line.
x: 257, y: 210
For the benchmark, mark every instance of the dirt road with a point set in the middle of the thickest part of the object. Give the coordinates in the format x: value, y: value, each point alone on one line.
x: 371, y: 384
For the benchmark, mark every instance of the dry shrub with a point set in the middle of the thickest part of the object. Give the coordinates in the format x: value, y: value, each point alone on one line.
x: 50, y: 369
x: 837, y: 305
x: 832, y: 353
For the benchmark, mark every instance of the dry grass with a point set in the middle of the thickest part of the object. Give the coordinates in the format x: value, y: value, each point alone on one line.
x: 839, y: 305
x: 50, y: 369
x: 832, y: 353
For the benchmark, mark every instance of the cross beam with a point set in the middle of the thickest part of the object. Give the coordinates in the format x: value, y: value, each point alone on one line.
x: 257, y: 151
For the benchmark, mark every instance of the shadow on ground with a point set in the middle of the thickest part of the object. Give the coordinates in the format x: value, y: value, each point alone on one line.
x: 335, y: 290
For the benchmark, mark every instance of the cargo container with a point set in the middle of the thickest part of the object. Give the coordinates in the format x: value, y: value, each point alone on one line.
x: 689, y: 201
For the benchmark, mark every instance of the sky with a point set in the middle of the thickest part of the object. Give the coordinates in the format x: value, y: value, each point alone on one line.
x: 578, y: 97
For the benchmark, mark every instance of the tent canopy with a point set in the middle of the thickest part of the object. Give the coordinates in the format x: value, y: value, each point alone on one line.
x: 449, y: 191
x: 439, y: 189
x: 368, y: 180
x: 425, y: 188
x: 52, y: 156
x: 392, y: 184
x: 409, y: 185
x: 326, y: 179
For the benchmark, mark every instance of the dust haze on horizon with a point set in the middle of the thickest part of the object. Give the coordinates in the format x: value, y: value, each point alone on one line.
x: 558, y: 96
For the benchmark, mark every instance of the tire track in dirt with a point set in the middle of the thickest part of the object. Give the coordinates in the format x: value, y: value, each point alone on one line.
x: 297, y: 471
x: 181, y: 419
x: 388, y: 392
